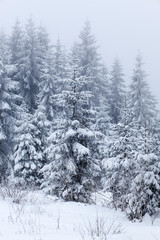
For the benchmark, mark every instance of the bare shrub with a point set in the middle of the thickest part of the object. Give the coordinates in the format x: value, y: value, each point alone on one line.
x: 99, y: 198
x: 13, y: 192
x: 99, y: 229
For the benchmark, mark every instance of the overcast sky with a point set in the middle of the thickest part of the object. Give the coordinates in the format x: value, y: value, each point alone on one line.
x: 121, y: 27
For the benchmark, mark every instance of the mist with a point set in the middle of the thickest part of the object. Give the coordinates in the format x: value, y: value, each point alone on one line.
x: 121, y: 28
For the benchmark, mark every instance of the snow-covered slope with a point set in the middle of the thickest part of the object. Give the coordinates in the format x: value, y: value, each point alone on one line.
x: 39, y: 217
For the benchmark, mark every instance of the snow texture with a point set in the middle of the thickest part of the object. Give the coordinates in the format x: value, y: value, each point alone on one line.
x: 43, y: 217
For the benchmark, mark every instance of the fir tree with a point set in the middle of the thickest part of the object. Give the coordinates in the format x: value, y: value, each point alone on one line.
x: 117, y: 91
x: 142, y: 103
x: 5, y: 109
x: 28, y: 150
x: 4, y: 48
x: 16, y: 42
x: 89, y: 62
x: 144, y: 192
x: 27, y: 68
x: 47, y: 78
x: 59, y: 61
x: 103, y: 119
x: 119, y: 165
x: 73, y: 156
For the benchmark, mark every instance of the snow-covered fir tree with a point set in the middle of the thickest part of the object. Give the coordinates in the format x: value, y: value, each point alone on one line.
x: 89, y: 61
x: 60, y: 71
x: 29, y: 147
x: 103, y: 119
x: 46, y: 75
x: 4, y: 108
x: 8, y: 110
x: 27, y: 67
x: 73, y: 156
x: 46, y: 94
x: 142, y: 103
x: 144, y: 191
x: 5, y: 52
x: 95, y: 73
x: 119, y: 164
x: 59, y: 61
x: 117, y: 91
x: 16, y: 42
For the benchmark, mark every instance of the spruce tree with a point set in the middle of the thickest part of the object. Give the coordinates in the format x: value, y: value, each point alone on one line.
x: 144, y: 192
x: 16, y: 42
x: 46, y: 75
x: 117, y: 92
x: 27, y: 67
x: 4, y: 48
x: 103, y: 119
x: 89, y: 61
x: 142, y: 102
x: 4, y: 109
x: 29, y: 147
x: 8, y: 109
x: 73, y: 153
x: 118, y: 164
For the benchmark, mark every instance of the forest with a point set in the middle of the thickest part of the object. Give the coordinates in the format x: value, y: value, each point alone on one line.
x: 70, y: 126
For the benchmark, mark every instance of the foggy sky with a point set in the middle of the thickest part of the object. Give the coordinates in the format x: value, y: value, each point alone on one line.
x: 121, y: 28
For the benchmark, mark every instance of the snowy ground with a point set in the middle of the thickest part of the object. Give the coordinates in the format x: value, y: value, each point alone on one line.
x: 38, y: 217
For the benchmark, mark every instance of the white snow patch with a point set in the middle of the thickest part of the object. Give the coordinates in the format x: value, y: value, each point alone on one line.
x: 42, y: 217
x: 70, y: 133
x: 80, y: 149
x: 85, y: 133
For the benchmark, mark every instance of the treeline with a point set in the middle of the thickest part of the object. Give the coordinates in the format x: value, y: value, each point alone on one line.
x: 70, y: 127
